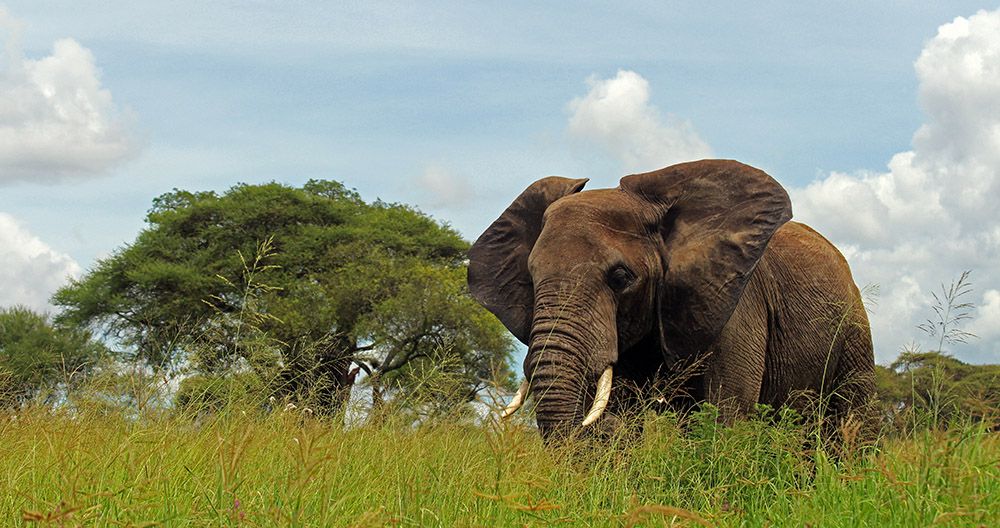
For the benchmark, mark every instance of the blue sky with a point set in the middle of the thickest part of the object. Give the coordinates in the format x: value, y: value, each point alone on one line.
x: 456, y: 108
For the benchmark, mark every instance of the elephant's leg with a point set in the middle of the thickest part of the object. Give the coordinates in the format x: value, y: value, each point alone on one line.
x: 734, y: 369
x: 852, y: 417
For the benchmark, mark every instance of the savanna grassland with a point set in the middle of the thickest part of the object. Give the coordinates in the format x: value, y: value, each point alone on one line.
x: 244, y: 467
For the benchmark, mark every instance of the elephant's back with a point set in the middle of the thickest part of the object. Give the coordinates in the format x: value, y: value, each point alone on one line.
x: 801, y: 247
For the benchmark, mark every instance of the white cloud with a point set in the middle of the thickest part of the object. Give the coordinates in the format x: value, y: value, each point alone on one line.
x: 444, y: 189
x: 934, y: 213
x: 56, y: 120
x: 30, y: 270
x: 616, y: 115
x: 987, y: 322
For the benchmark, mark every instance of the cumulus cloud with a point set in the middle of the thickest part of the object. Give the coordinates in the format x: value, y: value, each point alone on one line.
x: 444, y: 189
x: 987, y: 322
x: 616, y: 115
x: 30, y: 270
x: 56, y: 120
x: 933, y: 213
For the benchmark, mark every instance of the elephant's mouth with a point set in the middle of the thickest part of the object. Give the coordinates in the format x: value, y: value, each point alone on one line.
x: 601, y: 398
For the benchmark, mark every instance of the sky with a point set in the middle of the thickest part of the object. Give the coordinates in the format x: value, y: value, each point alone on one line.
x: 881, y: 119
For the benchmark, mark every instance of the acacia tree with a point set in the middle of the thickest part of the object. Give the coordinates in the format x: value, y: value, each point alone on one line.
x: 294, y: 284
x: 36, y: 356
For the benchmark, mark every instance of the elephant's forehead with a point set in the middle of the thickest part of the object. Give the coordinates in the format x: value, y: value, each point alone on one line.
x: 590, y: 210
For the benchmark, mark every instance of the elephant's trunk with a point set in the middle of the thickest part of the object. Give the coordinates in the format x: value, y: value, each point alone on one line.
x: 571, y: 344
x: 558, y: 391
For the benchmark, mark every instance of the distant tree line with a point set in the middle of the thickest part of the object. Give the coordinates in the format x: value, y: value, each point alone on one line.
x: 933, y: 388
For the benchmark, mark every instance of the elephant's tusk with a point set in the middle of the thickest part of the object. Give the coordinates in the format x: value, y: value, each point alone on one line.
x: 601, y: 399
x: 517, y: 401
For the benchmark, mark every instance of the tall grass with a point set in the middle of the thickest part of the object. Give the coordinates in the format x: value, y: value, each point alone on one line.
x: 241, y: 466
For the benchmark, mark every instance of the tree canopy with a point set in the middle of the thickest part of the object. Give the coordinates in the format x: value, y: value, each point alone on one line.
x: 293, y: 284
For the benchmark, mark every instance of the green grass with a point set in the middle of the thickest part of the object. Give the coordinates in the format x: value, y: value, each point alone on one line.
x: 286, y: 469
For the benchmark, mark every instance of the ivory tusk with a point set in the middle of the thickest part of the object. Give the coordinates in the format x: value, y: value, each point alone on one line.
x: 601, y: 399
x: 517, y: 401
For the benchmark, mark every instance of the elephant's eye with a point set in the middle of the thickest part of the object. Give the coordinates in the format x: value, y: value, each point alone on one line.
x: 620, y: 277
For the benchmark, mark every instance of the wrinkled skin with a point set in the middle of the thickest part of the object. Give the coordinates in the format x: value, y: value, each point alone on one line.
x: 694, y: 268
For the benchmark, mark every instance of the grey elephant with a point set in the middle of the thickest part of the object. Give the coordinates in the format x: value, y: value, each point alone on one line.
x: 693, y: 264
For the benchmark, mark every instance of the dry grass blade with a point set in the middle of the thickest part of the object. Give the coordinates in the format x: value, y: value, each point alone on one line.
x: 504, y: 498
x: 945, y: 517
x: 540, y: 505
x: 638, y: 514
x: 529, y: 505
x: 58, y: 515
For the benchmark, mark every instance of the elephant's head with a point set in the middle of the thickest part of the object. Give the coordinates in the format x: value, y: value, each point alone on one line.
x: 582, y: 277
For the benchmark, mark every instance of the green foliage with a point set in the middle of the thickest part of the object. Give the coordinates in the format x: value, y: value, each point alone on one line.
x: 437, y: 345
x: 294, y: 285
x: 36, y: 356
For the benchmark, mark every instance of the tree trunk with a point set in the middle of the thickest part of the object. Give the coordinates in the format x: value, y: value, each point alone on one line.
x: 322, y: 379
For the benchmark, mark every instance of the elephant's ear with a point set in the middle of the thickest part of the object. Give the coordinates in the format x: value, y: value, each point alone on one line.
x: 498, y: 261
x: 716, y: 218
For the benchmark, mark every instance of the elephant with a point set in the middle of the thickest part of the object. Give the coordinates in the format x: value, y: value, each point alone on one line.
x: 694, y: 264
